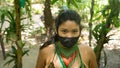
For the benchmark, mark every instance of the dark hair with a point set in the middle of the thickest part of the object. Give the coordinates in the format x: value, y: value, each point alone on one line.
x: 67, y: 15
x: 62, y: 17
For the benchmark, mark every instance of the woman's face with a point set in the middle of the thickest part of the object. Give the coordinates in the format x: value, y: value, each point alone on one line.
x: 69, y: 29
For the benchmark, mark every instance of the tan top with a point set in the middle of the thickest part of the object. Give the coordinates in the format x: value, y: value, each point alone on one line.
x: 47, y: 55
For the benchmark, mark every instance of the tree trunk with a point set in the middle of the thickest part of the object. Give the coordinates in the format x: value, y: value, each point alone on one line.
x: 90, y: 23
x: 103, y: 38
x: 2, y: 46
x: 48, y: 19
x: 98, y: 49
x: 18, y: 33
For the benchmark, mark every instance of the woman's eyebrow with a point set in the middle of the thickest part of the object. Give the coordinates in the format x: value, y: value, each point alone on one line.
x: 75, y: 29
x: 63, y: 28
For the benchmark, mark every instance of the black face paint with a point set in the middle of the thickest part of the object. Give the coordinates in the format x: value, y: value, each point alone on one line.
x: 68, y: 42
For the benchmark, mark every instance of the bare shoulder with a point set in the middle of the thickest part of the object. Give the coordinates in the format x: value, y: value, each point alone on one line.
x: 88, y: 55
x: 44, y: 54
x: 84, y: 47
x: 47, y: 50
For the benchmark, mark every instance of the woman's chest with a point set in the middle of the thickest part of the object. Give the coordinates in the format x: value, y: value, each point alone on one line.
x: 56, y: 63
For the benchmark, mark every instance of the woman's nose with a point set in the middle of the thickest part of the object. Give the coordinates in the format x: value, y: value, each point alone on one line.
x: 69, y: 35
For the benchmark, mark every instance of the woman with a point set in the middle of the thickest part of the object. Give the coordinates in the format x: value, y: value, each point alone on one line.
x: 63, y: 50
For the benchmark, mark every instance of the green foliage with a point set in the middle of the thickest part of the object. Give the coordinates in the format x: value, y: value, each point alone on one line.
x: 2, y: 17
x: 108, y: 16
x: 28, y: 8
x: 8, y: 16
x: 99, y: 30
x: 67, y: 3
x: 110, y: 13
x: 13, y: 55
x: 114, y: 11
x: 11, y: 30
x: 36, y: 11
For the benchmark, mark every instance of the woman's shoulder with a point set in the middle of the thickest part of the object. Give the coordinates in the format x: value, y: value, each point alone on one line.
x: 87, y: 54
x: 49, y: 49
x: 85, y: 49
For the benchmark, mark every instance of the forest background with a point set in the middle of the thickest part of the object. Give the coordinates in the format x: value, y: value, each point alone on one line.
x: 26, y: 24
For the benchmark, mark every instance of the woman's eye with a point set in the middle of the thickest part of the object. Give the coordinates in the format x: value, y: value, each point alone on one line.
x: 64, y: 31
x: 74, y: 31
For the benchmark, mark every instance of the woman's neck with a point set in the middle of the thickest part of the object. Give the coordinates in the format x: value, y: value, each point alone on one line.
x: 67, y: 52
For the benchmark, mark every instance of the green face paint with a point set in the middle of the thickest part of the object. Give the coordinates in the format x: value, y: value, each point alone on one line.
x: 67, y: 52
x: 58, y: 46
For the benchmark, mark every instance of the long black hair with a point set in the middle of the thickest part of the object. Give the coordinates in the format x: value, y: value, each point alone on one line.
x: 62, y: 17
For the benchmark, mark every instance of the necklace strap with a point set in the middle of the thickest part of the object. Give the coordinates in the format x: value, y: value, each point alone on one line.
x: 58, y: 54
x: 82, y: 64
x: 63, y: 65
x: 61, y: 61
